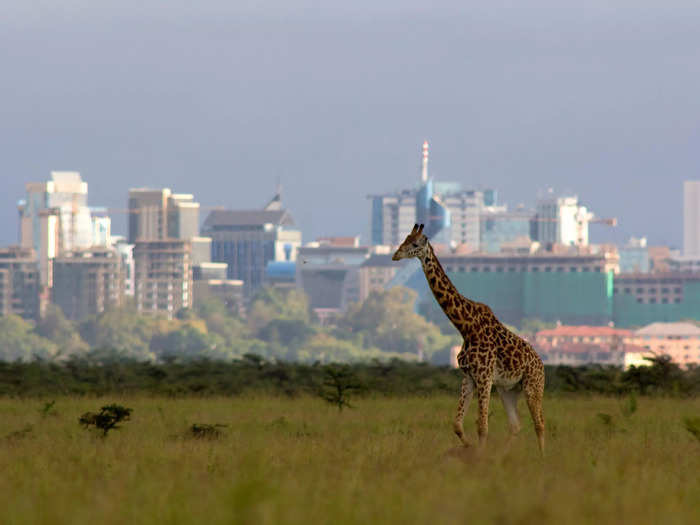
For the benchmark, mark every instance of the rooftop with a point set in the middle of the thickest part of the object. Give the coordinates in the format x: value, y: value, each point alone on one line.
x: 685, y: 329
x: 579, y: 348
x: 584, y: 331
x: 247, y: 218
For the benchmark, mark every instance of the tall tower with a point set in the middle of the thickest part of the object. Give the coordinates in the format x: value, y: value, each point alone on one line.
x: 424, y: 167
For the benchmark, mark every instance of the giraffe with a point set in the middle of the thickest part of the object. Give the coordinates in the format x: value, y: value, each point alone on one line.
x: 491, y: 355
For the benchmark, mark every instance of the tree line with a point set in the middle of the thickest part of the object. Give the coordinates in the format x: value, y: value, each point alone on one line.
x: 277, y: 325
x: 254, y: 375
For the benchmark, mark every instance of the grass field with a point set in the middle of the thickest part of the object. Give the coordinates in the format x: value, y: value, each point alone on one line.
x: 386, y: 461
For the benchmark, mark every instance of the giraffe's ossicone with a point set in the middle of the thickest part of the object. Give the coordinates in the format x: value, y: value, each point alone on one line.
x: 491, y: 355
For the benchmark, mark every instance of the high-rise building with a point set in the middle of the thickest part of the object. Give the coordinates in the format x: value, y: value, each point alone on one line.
x: 86, y: 282
x: 126, y: 254
x: 101, y: 228
x: 67, y: 193
x: 691, y: 218
x: 55, y: 217
x: 634, y: 256
x: 450, y: 214
x: 19, y: 282
x: 465, y: 211
x: 163, y: 276
x: 393, y: 214
x: 499, y: 228
x: 160, y: 214
x: 164, y: 229
x: 247, y: 240
x: 561, y: 220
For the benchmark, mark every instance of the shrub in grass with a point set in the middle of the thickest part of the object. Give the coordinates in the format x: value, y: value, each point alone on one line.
x: 206, y: 431
x: 48, y: 409
x: 106, y: 419
x: 338, y: 382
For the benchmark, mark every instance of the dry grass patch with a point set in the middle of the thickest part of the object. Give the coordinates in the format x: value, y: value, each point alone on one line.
x: 387, y: 461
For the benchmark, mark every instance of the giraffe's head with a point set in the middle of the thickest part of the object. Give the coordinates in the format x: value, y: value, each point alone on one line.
x: 413, y: 246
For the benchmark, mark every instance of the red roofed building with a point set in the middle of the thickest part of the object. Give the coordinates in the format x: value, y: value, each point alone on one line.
x: 608, y: 336
x: 583, y: 345
x: 579, y: 354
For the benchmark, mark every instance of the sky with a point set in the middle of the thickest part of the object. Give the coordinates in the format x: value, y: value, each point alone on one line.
x: 334, y: 99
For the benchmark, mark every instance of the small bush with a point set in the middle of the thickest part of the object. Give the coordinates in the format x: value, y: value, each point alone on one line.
x: 48, y: 409
x: 206, y: 431
x: 338, y: 382
x: 106, y: 419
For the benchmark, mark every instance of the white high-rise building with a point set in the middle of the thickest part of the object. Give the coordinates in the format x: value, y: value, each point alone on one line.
x: 66, y: 193
x: 55, y: 218
x: 691, y: 218
x: 562, y: 220
x: 465, y: 212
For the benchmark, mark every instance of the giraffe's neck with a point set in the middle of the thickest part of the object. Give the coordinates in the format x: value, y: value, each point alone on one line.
x: 458, y: 309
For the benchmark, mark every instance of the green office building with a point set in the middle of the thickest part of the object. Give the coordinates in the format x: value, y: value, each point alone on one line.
x: 572, y: 289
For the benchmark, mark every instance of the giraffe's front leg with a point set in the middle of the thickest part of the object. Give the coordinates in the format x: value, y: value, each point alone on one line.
x: 464, y: 399
x: 483, y: 392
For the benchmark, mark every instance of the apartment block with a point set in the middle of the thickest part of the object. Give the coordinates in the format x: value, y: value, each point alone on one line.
x: 19, y: 282
x: 86, y: 282
x: 163, y: 276
x: 157, y: 214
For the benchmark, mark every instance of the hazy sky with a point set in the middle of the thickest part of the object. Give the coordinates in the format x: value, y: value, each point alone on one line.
x: 220, y: 98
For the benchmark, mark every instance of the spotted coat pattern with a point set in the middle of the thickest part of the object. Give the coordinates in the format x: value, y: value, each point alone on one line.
x: 491, y: 355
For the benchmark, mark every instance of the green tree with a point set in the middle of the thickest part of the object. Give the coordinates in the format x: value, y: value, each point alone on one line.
x: 271, y: 303
x: 18, y: 342
x: 56, y: 328
x: 387, y: 320
x: 188, y: 343
x: 289, y: 332
x: 123, y: 329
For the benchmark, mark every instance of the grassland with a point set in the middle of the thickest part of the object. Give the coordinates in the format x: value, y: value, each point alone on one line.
x: 387, y: 461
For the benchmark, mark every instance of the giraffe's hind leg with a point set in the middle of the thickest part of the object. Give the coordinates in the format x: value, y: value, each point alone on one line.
x: 509, y: 398
x: 533, y: 387
x: 464, y: 399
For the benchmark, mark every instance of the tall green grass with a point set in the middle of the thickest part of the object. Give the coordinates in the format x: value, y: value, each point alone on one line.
x: 387, y: 461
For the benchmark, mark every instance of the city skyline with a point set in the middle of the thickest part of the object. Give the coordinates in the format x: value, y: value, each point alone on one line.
x: 223, y: 101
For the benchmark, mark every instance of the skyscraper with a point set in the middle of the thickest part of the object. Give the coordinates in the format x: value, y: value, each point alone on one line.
x: 395, y: 213
x: 561, y: 220
x: 247, y: 240
x: 163, y: 226
x: 67, y: 193
x: 160, y: 214
x: 691, y: 218
x: 55, y: 217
